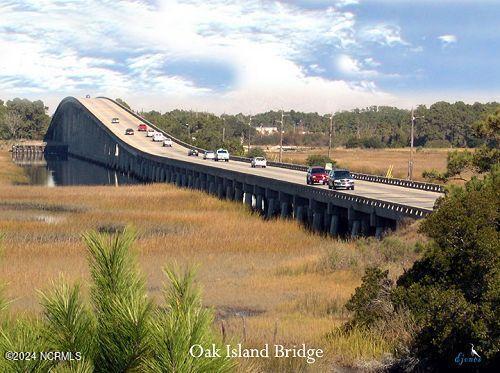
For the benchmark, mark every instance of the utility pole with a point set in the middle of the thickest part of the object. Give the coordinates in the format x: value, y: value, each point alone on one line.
x: 281, y: 136
x: 330, y: 135
x: 412, y: 136
x: 189, y: 131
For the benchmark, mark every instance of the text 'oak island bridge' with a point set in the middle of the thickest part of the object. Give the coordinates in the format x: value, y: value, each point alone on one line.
x: 83, y: 128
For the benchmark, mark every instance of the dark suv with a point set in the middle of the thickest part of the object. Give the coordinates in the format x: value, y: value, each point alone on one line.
x: 316, y: 175
x: 340, y: 179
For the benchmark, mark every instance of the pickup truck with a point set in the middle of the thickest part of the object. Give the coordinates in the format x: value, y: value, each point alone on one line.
x: 221, y: 155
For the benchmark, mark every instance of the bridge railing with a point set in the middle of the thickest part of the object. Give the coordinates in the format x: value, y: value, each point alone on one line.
x: 297, y: 167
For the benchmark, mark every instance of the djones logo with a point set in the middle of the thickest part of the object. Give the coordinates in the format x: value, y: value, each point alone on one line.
x: 474, y: 357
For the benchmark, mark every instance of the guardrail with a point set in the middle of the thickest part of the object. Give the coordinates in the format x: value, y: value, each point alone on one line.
x: 297, y: 167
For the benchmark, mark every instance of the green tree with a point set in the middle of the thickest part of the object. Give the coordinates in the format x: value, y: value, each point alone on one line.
x: 454, y: 290
x: 21, y: 118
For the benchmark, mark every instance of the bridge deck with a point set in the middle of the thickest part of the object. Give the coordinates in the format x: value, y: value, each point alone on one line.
x: 105, y: 110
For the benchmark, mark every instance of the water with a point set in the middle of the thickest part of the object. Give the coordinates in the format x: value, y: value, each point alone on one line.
x: 53, y: 171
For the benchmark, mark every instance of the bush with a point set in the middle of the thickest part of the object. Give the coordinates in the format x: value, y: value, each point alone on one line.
x: 353, y: 142
x: 372, y: 142
x: 371, y: 301
x: 319, y: 160
x: 256, y: 152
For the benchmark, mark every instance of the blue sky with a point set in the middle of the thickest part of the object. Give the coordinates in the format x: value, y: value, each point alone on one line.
x: 252, y: 55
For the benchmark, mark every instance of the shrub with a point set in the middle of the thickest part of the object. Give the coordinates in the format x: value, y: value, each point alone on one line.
x: 319, y: 160
x: 256, y: 152
x: 393, y: 249
x: 372, y: 142
x: 353, y: 142
x: 371, y: 301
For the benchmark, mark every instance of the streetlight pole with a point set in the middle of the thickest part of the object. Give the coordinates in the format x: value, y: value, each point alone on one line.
x: 330, y: 135
x: 412, y: 136
x: 223, y: 128
x: 249, y: 132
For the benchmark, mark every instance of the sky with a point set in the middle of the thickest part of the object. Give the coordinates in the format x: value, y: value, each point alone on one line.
x: 251, y: 56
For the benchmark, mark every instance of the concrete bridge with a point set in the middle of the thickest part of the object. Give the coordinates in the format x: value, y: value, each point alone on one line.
x: 83, y: 127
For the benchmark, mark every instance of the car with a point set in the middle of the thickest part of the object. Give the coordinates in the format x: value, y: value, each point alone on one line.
x: 316, y: 175
x: 221, y: 155
x: 340, y: 179
x: 150, y: 132
x: 209, y: 155
x: 142, y: 127
x: 259, y: 162
x: 158, y: 137
x: 193, y: 152
x: 168, y: 142
x: 87, y: 96
x: 129, y: 131
x: 115, y: 121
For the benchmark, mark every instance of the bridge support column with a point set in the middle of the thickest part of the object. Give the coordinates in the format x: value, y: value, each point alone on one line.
x: 230, y: 190
x: 248, y: 190
x: 220, y: 189
x: 334, y: 225
x: 332, y: 218
x: 272, y: 205
x: 299, y: 208
x: 355, y: 228
x: 238, y: 192
x: 316, y: 212
x: 285, y: 205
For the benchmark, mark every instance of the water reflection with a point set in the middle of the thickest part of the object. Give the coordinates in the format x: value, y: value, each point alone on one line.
x: 52, y: 170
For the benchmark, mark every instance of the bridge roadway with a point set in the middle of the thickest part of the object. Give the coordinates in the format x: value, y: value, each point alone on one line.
x: 105, y: 110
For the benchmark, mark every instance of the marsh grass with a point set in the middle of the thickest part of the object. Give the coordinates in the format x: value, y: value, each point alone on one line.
x: 290, y: 277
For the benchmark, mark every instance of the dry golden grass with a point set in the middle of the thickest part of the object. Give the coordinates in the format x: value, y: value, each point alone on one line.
x: 377, y: 161
x: 9, y: 172
x: 277, y: 280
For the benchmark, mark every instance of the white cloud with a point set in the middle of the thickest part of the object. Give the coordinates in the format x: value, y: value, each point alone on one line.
x: 383, y: 34
x: 351, y: 66
x: 123, y: 49
x: 371, y: 62
x: 448, y: 39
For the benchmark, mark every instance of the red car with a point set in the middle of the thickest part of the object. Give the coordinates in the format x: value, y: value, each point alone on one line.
x: 142, y: 127
x: 316, y: 175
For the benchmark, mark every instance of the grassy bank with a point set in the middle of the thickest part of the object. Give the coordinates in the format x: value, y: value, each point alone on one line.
x: 9, y: 172
x: 268, y: 281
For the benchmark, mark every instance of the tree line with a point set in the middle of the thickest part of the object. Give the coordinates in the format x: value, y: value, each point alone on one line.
x: 440, y: 125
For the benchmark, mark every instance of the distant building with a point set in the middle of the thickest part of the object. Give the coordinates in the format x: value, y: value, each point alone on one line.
x: 266, y: 130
